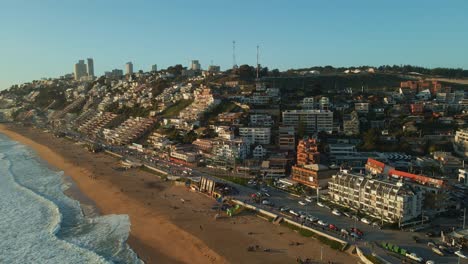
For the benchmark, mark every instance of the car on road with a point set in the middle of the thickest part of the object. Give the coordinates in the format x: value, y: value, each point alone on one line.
x: 284, y: 209
x: 266, y: 202
x: 347, y: 214
x: 355, y: 218
x: 344, y: 231
x: 376, y: 225
x: 437, y: 251
x: 336, y: 212
x: 461, y: 254
x: 326, y: 206
x: 266, y: 194
x: 293, y: 212
x: 355, y: 235
x: 365, y: 221
x: 333, y: 227
x: 357, y: 231
x: 263, y: 190
x: 322, y: 223
x: 308, y: 199
x: 301, y: 203
x: 320, y: 204
x: 415, y: 257
x: 312, y: 218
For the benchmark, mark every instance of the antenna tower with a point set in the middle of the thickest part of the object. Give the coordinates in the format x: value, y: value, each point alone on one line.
x: 258, y: 64
x: 234, y: 64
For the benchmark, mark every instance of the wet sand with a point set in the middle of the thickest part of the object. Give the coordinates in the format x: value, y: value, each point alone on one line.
x: 169, y: 224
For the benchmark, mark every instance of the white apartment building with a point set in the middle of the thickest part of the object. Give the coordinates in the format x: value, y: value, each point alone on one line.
x: 351, y: 124
x: 313, y: 120
x: 460, y: 143
x: 261, y: 120
x: 256, y: 135
x: 391, y: 202
x: 259, y: 152
x: 230, y: 150
x: 342, y: 149
x: 308, y: 103
x: 463, y: 176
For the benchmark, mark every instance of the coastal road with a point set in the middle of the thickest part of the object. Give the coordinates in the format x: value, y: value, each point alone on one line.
x: 283, y: 199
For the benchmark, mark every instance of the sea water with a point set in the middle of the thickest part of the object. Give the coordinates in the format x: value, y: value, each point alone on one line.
x: 40, y: 224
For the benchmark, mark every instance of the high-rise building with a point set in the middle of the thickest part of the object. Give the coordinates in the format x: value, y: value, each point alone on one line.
x: 90, y: 67
x: 80, y: 70
x: 129, y: 68
x: 195, y: 65
x: 214, y: 68
x: 154, y: 68
x: 311, y: 121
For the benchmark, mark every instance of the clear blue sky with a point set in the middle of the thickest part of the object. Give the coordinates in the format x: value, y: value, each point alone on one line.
x: 45, y: 38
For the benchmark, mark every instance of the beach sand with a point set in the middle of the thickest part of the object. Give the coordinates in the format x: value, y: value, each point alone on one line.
x: 169, y: 224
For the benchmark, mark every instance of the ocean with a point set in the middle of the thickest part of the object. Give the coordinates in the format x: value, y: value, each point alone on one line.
x: 40, y: 224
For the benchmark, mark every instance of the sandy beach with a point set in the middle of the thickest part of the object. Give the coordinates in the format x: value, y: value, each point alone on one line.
x: 169, y: 224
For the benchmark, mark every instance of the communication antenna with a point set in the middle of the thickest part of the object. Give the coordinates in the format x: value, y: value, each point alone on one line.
x: 258, y: 65
x: 234, y: 64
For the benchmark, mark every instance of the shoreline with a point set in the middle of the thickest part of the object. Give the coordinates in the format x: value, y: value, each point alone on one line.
x: 164, y: 229
x: 80, y: 191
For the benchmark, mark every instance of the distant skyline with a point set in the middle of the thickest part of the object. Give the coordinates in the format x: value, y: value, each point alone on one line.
x: 46, y: 38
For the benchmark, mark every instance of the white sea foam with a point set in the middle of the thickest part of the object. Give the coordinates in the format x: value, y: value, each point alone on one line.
x: 39, y: 224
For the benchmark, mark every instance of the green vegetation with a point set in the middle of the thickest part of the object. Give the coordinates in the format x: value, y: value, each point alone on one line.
x: 234, y: 179
x: 176, y: 108
x: 127, y: 112
x: 224, y: 107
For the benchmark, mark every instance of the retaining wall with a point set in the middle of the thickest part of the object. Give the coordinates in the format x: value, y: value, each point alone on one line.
x: 291, y: 222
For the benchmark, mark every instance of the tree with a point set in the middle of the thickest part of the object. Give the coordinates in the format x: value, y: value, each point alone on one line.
x: 176, y: 69
x: 370, y: 139
x: 246, y: 72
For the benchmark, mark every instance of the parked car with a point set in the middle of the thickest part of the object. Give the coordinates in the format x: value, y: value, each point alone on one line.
x: 333, y: 227
x: 320, y: 204
x: 377, y: 225
x: 344, y: 231
x: 437, y: 251
x: 461, y: 254
x: 355, y: 235
x: 312, y: 218
x: 365, y: 221
x: 266, y: 202
x: 308, y: 199
x: 293, y: 212
x: 347, y: 214
x: 357, y: 231
x: 301, y: 203
x: 336, y: 212
x: 284, y: 209
x: 322, y: 223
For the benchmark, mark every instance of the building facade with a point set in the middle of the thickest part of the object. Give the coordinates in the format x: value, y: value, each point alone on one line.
x: 311, y: 120
x: 129, y: 68
x: 256, y: 135
x: 460, y: 144
x: 90, y: 67
x: 391, y: 202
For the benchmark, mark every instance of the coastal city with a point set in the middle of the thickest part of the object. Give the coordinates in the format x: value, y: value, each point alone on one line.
x: 366, y: 160
x: 234, y: 132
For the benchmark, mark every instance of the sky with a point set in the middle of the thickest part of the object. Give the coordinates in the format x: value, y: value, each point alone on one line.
x: 46, y: 38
